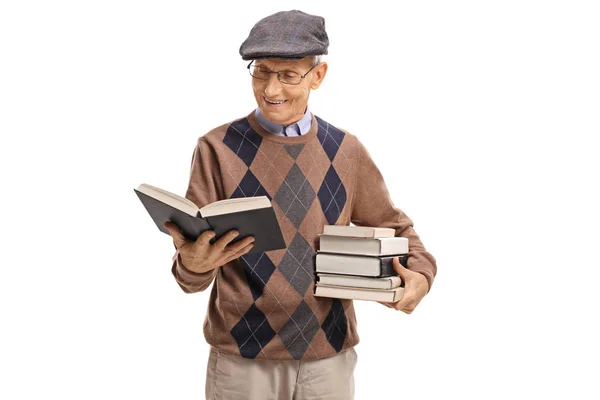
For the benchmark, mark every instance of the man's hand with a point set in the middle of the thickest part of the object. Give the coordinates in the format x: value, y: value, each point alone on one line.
x: 415, y: 288
x: 201, y: 256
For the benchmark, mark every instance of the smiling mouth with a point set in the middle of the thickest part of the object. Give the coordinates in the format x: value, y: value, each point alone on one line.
x: 274, y: 103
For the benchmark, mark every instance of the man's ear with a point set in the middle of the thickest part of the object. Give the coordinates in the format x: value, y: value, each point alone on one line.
x: 318, y: 74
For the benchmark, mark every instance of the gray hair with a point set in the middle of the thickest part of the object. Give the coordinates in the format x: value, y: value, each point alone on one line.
x: 317, y: 59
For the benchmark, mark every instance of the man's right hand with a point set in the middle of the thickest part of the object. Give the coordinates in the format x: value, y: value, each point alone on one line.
x: 201, y: 256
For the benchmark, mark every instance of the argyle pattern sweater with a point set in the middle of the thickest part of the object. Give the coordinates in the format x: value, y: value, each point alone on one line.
x: 262, y: 305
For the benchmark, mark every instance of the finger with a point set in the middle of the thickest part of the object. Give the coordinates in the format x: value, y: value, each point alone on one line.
x: 224, y: 240
x: 227, y: 255
x: 240, y: 253
x: 241, y: 244
x: 205, y: 237
x: 175, y: 233
x: 244, y: 250
x: 388, y: 305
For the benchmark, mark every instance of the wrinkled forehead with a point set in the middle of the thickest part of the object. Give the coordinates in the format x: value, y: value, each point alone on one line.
x: 282, y: 63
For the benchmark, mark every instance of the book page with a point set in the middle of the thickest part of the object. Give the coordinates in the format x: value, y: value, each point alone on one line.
x: 239, y: 204
x: 170, y: 198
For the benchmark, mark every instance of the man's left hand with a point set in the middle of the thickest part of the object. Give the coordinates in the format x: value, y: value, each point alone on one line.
x: 415, y: 288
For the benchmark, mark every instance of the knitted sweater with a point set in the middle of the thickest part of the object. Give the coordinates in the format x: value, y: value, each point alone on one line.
x: 262, y: 305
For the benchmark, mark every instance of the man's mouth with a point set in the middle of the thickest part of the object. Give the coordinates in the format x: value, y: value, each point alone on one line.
x: 274, y: 102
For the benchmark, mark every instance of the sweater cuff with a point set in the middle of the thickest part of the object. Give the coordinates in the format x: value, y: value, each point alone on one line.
x: 185, y: 273
x: 190, y: 281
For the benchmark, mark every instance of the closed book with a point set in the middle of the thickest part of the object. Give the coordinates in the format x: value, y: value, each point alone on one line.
x: 358, y: 231
x: 250, y: 216
x: 360, y: 265
x: 366, y: 246
x: 387, y: 282
x: 338, y: 292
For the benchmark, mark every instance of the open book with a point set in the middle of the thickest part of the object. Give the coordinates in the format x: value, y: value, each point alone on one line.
x: 250, y: 216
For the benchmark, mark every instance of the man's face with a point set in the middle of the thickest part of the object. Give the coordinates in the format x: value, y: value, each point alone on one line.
x: 295, y: 97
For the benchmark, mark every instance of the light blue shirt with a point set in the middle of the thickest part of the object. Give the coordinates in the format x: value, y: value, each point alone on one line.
x: 296, y: 129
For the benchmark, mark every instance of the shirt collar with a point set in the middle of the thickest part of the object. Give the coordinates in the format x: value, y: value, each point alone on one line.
x: 299, y: 127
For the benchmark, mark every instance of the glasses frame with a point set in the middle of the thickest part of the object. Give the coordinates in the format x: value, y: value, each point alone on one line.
x: 279, y: 76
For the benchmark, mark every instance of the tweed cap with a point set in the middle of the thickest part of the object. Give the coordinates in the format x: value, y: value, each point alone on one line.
x: 286, y: 34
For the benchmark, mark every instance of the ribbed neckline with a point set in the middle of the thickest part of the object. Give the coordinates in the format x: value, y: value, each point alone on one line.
x: 312, y: 132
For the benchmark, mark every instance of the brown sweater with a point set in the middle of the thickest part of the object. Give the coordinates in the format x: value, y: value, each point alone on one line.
x: 262, y: 305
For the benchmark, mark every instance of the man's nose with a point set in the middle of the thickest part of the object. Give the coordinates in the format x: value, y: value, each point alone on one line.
x: 273, y: 86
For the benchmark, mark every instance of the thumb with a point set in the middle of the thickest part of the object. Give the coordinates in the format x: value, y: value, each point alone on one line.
x: 399, y: 268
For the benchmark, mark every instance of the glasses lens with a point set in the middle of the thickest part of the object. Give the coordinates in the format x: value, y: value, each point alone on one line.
x: 289, y: 77
x: 259, y: 72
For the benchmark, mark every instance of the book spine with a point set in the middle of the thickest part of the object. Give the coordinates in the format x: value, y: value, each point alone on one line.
x: 387, y: 264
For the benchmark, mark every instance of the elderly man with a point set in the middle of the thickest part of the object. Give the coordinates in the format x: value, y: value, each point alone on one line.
x: 270, y: 337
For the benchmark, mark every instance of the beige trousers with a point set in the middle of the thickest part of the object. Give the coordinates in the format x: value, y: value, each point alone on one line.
x: 231, y: 377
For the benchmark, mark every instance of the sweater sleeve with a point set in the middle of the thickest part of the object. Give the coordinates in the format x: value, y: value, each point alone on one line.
x: 372, y: 206
x: 204, y: 187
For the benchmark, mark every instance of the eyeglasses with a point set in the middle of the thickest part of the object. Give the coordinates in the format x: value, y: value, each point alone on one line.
x: 287, y: 77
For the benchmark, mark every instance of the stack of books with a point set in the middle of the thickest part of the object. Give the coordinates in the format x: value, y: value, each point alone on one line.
x: 355, y: 262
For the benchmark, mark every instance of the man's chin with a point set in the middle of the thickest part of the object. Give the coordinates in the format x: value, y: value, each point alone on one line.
x: 274, y: 115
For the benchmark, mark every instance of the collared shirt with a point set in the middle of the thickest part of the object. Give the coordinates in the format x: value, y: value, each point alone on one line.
x: 296, y: 129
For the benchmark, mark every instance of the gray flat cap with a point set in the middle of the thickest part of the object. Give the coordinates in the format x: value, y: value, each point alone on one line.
x: 286, y: 34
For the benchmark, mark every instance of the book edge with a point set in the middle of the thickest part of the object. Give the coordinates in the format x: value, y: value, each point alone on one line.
x: 243, y: 202
x: 398, y: 292
x: 182, y: 204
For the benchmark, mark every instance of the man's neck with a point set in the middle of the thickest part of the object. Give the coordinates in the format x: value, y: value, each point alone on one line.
x: 295, y: 128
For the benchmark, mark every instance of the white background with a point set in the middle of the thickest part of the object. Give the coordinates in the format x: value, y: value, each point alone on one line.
x: 481, y: 115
